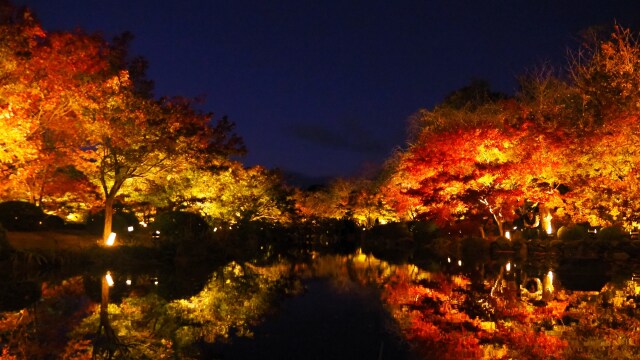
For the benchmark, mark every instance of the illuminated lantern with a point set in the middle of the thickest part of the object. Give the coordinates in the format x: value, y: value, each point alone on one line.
x: 109, y: 279
x: 111, y: 239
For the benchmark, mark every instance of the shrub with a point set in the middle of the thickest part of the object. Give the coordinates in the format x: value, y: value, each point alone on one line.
x: 53, y: 222
x: 611, y: 234
x: 389, y: 232
x: 5, y: 246
x: 180, y: 226
x: 423, y: 231
x: 20, y: 216
x: 572, y: 233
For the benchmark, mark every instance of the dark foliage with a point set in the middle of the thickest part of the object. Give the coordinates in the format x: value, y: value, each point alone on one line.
x: 20, y: 216
x: 177, y: 227
x: 121, y: 221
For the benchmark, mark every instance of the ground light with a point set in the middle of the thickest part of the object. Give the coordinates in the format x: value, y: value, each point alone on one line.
x: 111, y: 239
x: 549, y: 227
x: 109, y: 279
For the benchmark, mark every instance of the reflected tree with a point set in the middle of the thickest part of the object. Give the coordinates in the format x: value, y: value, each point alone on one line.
x: 106, y: 344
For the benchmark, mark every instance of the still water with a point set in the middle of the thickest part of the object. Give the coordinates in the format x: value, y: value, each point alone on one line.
x: 329, y: 306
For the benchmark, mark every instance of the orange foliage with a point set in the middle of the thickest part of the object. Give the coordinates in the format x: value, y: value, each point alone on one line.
x: 435, y: 321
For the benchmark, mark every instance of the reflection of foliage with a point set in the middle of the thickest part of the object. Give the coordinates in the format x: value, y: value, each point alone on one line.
x: 436, y: 320
x: 441, y: 319
x: 37, y: 332
x: 234, y: 299
x: 605, y: 326
x: 141, y: 323
x: 438, y: 314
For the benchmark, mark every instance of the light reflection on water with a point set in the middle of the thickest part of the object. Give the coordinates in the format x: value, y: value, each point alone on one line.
x: 195, y: 313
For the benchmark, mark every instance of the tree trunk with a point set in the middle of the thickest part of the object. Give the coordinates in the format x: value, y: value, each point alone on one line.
x: 106, y: 344
x: 500, y: 224
x: 104, y: 301
x: 108, y: 218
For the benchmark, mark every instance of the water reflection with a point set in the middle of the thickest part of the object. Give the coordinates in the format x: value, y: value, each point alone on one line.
x: 106, y: 344
x: 445, y: 307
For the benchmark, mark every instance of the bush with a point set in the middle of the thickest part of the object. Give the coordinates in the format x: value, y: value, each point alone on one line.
x: 424, y: 232
x: 5, y: 246
x: 572, y: 233
x: 611, y: 234
x: 180, y: 226
x: 20, y: 216
x: 389, y: 232
x: 53, y: 222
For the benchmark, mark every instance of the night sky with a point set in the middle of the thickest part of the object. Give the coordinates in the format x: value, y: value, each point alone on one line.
x: 324, y: 88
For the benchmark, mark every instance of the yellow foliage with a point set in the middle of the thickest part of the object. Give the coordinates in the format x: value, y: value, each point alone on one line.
x: 614, y: 212
x: 487, y: 179
x: 491, y: 154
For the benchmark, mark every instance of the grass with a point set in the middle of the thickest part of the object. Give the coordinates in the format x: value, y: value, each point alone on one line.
x: 52, y: 240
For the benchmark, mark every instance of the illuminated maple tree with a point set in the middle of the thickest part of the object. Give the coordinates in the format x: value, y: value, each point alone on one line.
x: 227, y: 192
x: 132, y: 137
x: 19, y: 35
x: 567, y: 144
x: 467, y: 165
x: 44, y: 94
x: 359, y: 199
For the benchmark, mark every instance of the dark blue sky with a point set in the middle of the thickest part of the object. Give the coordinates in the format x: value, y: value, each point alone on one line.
x: 325, y: 87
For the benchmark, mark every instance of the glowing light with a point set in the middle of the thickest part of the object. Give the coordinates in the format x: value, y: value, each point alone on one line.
x: 459, y: 262
x: 111, y: 239
x: 549, y: 228
x: 215, y: 229
x: 128, y: 281
x: 143, y: 224
x: 508, y: 266
x: 507, y: 235
x: 130, y: 229
x: 449, y: 260
x: 109, y: 279
x: 548, y: 282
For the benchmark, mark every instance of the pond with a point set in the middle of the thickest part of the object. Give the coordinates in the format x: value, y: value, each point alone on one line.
x: 330, y: 306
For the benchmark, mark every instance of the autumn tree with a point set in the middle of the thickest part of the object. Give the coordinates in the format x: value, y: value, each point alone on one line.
x: 565, y: 141
x: 129, y: 136
x: 468, y: 164
x: 605, y: 72
x: 57, y: 83
x: 20, y: 33
x: 227, y: 192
